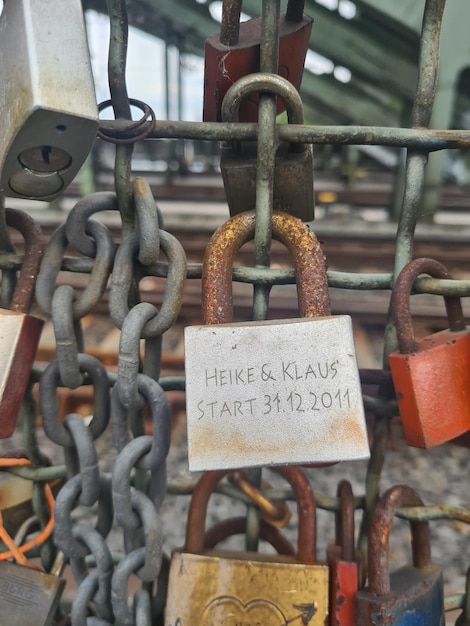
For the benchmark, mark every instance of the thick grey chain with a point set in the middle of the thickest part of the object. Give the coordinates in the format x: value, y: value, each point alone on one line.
x: 138, y: 486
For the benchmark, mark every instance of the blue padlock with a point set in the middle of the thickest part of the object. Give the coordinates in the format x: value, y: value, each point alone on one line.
x: 411, y: 596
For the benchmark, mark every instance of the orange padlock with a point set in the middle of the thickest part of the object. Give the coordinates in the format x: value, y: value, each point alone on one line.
x: 431, y: 376
x: 235, y: 52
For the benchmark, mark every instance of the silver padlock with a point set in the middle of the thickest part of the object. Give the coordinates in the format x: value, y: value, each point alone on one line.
x: 49, y: 115
x: 293, y: 173
x: 271, y: 392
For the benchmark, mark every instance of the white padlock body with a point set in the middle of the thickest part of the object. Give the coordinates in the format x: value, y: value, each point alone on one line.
x: 48, y: 105
x: 273, y: 393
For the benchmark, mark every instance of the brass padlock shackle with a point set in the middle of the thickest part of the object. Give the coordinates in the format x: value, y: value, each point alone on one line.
x: 306, y: 508
x: 309, y: 264
x: 400, y: 301
x: 379, y: 535
x: 230, y: 23
x: 344, y: 521
x: 237, y: 526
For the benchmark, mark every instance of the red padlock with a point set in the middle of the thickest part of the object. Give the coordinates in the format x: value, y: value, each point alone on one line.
x: 344, y: 561
x: 235, y: 52
x: 431, y: 376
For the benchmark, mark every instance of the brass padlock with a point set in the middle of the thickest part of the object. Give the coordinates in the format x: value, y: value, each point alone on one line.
x: 272, y: 392
x: 235, y: 52
x: 19, y: 332
x: 229, y: 587
x: 293, y: 173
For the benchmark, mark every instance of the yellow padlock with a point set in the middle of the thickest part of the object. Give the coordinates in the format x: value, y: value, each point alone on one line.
x: 210, y: 587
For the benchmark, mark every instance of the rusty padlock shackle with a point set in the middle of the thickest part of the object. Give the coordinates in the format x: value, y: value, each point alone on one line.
x: 34, y: 244
x: 230, y: 24
x: 379, y: 535
x: 309, y: 264
x: 306, y: 508
x: 344, y: 521
x: 401, y: 301
x: 237, y: 526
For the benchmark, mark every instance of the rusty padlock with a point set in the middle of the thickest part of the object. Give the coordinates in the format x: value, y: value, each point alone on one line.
x: 431, y: 376
x: 293, y: 168
x: 19, y: 331
x: 235, y: 52
x: 205, y: 587
x: 272, y: 392
x: 412, y: 595
x: 344, y: 561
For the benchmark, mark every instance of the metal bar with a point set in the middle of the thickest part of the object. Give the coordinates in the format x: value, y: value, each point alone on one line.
x: 424, y: 139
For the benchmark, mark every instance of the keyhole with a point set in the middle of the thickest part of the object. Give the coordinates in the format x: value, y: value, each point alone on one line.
x: 45, y: 159
x: 46, y: 150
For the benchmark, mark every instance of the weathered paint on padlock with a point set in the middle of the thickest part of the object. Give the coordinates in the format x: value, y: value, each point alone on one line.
x: 293, y: 168
x: 29, y: 597
x: 275, y: 392
x: 19, y: 332
x: 235, y: 52
x: 431, y: 376
x: 230, y: 587
x: 344, y: 561
x: 412, y: 595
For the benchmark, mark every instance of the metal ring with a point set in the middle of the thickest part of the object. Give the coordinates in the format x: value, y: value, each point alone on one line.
x: 77, y: 219
x: 82, y: 458
x: 123, y: 276
x: 52, y: 263
x: 119, y: 136
x: 91, y: 538
x: 68, y: 335
x: 63, y: 529
x: 129, y: 353
x: 49, y: 405
x: 156, y: 398
x: 148, y: 221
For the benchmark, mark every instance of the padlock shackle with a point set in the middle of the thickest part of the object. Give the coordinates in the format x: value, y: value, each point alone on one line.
x: 309, y: 264
x: 237, y: 526
x: 306, y: 509
x: 34, y: 244
x: 267, y: 83
x: 379, y: 536
x: 230, y: 25
x: 295, y: 10
x: 400, y: 302
x: 344, y: 521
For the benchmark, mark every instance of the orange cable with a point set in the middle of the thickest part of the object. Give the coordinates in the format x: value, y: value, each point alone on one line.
x: 18, y: 552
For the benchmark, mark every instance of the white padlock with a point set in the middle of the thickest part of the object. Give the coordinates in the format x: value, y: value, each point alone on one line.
x: 48, y: 110
x: 272, y: 392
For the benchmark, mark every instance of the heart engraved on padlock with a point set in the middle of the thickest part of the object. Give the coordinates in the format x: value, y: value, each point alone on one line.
x: 273, y: 392
x: 293, y: 168
x: 19, y: 332
x: 235, y: 53
x: 208, y: 587
x: 412, y: 595
x: 431, y: 375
